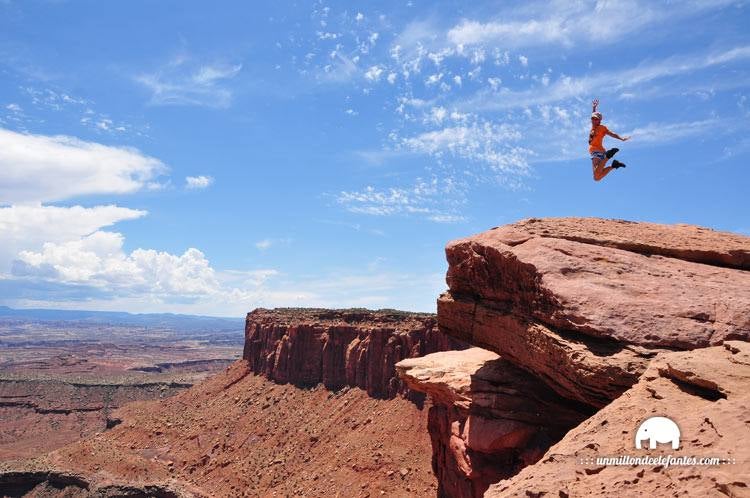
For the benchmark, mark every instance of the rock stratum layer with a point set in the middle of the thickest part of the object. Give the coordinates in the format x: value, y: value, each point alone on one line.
x: 489, y: 420
x: 587, y: 303
x: 38, y: 416
x: 337, y: 348
x: 576, y: 311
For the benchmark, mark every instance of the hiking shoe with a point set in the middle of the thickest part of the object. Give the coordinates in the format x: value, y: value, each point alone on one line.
x: 617, y: 164
x: 611, y: 152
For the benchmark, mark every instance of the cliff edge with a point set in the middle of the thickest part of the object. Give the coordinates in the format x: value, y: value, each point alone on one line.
x: 585, y: 307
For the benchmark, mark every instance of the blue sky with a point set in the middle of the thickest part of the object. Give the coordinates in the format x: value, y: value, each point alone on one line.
x: 171, y: 156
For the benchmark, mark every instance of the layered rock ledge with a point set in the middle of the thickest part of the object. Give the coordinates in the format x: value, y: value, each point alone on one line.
x: 586, y: 303
x: 704, y: 391
x: 489, y: 419
x: 356, y: 348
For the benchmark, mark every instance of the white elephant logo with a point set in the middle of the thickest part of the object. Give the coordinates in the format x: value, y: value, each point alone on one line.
x: 658, y: 430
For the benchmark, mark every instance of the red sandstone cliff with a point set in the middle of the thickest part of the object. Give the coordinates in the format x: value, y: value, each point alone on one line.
x: 338, y: 348
x: 583, y: 306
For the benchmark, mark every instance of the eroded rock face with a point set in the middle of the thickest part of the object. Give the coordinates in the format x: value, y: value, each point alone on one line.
x: 340, y: 348
x: 704, y: 391
x: 489, y: 418
x: 686, y: 242
x: 586, y: 303
x: 37, y: 416
x: 580, y: 308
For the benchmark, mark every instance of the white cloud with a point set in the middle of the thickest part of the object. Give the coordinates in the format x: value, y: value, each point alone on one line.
x: 39, y: 168
x: 510, y: 33
x: 46, y: 98
x: 425, y: 198
x: 157, y: 281
x: 341, y: 70
x: 569, y: 23
x: 97, y: 260
x: 264, y: 244
x: 671, y: 132
x: 447, y: 218
x: 28, y: 227
x: 182, y: 83
x: 54, y: 256
x: 374, y: 73
x: 438, y: 114
x: 198, y: 182
x: 433, y: 79
x: 606, y: 82
x: 491, y: 144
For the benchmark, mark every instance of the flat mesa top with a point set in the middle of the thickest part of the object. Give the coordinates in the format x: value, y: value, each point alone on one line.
x: 387, y: 318
x: 686, y: 242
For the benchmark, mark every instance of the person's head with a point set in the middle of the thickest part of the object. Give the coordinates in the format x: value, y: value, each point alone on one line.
x: 596, y: 117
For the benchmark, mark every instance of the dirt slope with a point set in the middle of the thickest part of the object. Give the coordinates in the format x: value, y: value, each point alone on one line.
x: 239, y: 434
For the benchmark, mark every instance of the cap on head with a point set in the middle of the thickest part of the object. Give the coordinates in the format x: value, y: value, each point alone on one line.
x: 597, y: 115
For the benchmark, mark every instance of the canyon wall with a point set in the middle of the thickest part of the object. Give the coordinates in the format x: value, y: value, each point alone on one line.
x: 337, y: 348
x: 582, y: 306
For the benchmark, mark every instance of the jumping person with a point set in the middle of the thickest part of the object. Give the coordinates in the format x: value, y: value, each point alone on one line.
x: 600, y: 156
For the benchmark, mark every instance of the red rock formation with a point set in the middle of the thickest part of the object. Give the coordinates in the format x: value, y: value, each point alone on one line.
x: 37, y: 416
x: 338, y: 348
x: 703, y: 391
x: 583, y: 306
x: 588, y: 316
x: 489, y: 419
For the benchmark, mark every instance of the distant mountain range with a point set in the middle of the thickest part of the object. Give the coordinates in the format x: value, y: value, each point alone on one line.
x: 157, y: 320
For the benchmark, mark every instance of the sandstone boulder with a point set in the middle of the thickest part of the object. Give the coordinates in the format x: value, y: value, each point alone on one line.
x: 585, y: 303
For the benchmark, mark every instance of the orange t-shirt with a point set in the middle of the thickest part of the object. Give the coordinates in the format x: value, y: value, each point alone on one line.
x: 596, y: 136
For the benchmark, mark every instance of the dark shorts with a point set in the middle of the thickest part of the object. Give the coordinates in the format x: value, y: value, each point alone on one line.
x: 598, y: 154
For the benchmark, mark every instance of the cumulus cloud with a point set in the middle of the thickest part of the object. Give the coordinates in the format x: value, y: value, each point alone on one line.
x: 54, y: 256
x: 28, y: 227
x: 98, y: 260
x: 198, y: 182
x: 40, y: 168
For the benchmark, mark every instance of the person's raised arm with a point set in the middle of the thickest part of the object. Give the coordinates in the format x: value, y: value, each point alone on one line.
x: 618, y: 137
x: 594, y: 105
